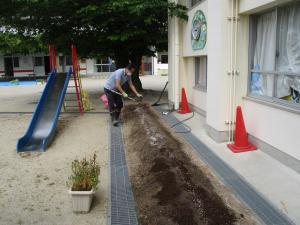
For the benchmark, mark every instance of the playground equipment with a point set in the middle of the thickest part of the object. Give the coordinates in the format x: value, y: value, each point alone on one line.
x: 52, y: 56
x: 42, y: 126
x: 75, y: 89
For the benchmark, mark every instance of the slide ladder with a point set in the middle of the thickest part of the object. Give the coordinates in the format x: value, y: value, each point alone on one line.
x: 74, y: 93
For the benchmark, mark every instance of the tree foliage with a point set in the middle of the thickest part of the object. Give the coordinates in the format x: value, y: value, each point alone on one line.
x: 11, y: 43
x: 97, y: 26
x: 123, y: 29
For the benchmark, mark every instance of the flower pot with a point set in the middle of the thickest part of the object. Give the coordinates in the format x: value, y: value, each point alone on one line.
x: 82, y: 200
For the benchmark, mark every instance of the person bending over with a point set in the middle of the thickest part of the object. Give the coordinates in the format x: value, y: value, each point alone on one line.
x: 114, y: 84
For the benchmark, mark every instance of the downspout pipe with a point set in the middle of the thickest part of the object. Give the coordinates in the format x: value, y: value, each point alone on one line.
x: 235, y: 69
x: 176, y: 63
x: 230, y: 71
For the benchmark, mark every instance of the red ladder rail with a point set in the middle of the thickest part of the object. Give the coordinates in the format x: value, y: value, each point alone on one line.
x: 75, y: 70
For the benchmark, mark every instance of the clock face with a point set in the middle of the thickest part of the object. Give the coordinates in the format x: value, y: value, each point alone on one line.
x: 199, y: 31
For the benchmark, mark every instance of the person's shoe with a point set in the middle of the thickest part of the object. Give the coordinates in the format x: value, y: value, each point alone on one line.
x: 118, y: 117
x: 114, y: 118
x: 115, y: 122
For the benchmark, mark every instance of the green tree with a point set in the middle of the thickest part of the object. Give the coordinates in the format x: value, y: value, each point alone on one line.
x: 122, y: 29
x: 11, y: 43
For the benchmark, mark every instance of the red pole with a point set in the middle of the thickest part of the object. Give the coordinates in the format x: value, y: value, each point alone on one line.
x: 50, y: 56
x: 54, y: 57
x: 74, y: 62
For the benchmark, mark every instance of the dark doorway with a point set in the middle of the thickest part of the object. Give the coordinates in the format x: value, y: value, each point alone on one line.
x: 47, y: 64
x: 8, y: 67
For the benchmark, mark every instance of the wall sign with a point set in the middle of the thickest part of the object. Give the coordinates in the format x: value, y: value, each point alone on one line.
x: 199, y: 31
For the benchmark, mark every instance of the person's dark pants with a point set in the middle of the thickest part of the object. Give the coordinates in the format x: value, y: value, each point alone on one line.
x: 115, y: 103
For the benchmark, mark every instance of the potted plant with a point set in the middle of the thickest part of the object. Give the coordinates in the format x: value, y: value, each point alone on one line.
x: 83, y: 183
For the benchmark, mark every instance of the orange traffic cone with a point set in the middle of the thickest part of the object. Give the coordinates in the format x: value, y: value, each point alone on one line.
x: 184, y: 103
x: 241, y: 143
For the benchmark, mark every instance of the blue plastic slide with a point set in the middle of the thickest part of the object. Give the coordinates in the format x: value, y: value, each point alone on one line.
x: 43, y: 123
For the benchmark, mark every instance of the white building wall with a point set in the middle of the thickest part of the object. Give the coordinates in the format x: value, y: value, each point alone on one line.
x: 83, y: 67
x: 25, y: 66
x: 195, y: 96
x: 252, y: 6
x: 90, y: 66
x: 158, y: 67
x: 218, y: 65
x: 39, y: 70
x: 186, y: 75
x: 276, y: 126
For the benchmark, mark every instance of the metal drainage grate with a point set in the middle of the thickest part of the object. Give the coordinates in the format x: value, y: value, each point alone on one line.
x: 122, y: 204
x: 268, y: 213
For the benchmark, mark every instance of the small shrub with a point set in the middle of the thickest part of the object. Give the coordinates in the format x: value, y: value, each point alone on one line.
x: 85, y: 174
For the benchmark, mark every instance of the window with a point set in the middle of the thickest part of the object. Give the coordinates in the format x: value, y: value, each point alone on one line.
x: 201, y: 73
x: 164, y: 59
x: 16, y: 61
x: 68, y: 61
x: 61, y: 60
x: 275, y: 55
x: 38, y: 61
x: 104, y: 64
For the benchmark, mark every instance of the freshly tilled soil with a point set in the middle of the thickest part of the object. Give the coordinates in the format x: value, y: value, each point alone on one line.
x: 168, y: 187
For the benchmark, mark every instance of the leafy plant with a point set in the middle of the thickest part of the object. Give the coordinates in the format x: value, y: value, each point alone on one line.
x: 121, y: 29
x: 85, y: 174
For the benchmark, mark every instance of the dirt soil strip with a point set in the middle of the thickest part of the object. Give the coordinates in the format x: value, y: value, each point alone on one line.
x: 265, y: 210
x: 170, y: 184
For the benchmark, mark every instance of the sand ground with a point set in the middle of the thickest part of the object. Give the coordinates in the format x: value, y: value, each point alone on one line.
x: 33, y: 187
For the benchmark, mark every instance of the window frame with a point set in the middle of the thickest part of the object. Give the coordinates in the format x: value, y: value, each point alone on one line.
x: 251, y: 51
x: 68, y: 61
x: 35, y: 61
x: 197, y: 85
x: 101, y: 63
x: 61, y: 60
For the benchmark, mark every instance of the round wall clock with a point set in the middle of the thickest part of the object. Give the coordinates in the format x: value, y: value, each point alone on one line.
x: 199, y: 30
